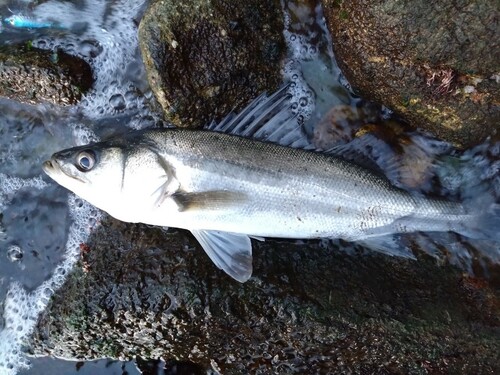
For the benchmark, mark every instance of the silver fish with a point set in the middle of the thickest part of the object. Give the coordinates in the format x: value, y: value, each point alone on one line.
x: 226, y: 189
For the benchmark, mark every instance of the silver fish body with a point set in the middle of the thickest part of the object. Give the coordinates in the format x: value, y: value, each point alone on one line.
x: 226, y: 188
x: 215, y: 181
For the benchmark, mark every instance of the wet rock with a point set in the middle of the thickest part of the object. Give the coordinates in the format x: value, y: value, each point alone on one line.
x: 435, y: 64
x: 206, y: 59
x: 140, y: 291
x: 341, y: 123
x: 30, y: 75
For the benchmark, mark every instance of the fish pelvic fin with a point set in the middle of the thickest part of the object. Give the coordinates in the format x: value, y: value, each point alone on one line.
x: 230, y: 252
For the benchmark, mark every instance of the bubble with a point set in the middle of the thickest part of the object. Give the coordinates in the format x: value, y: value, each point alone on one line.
x: 90, y: 48
x: 117, y: 101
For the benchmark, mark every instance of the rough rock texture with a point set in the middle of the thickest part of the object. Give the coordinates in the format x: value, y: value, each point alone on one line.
x: 207, y: 58
x: 142, y: 292
x: 30, y: 75
x: 436, y: 64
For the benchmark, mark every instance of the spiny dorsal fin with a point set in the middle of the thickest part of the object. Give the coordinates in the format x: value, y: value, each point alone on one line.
x: 267, y: 119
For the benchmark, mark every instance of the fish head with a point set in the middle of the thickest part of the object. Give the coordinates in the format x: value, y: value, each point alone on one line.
x: 121, y: 177
x: 88, y: 171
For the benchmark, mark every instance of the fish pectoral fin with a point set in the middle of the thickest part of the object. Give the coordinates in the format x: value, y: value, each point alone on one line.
x: 230, y: 252
x: 170, y: 185
x: 209, y: 200
x: 167, y: 189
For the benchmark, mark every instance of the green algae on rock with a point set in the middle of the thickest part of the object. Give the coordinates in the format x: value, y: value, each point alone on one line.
x: 435, y: 64
x: 208, y: 58
x: 30, y: 75
x: 309, y: 309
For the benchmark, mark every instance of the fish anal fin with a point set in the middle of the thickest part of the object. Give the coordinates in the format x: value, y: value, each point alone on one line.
x: 230, y: 252
x: 211, y: 200
x: 389, y: 244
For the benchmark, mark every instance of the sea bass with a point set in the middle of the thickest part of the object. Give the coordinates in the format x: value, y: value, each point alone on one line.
x: 228, y: 188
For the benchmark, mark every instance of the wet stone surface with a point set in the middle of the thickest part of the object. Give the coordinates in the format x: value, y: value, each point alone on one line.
x: 435, y: 64
x: 30, y: 75
x: 140, y: 291
x: 206, y: 59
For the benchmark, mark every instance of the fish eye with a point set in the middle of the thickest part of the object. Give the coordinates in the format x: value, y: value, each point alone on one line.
x: 85, y: 160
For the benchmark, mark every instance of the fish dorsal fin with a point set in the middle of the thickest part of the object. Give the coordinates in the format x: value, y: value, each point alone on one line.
x: 354, y: 154
x: 230, y: 252
x: 267, y: 119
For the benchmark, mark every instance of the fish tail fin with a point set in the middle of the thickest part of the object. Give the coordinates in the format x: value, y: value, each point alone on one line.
x: 474, y: 179
x: 484, y: 225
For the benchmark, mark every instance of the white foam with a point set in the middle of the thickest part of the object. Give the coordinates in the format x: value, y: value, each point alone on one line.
x: 303, y: 99
x: 10, y: 185
x: 106, y: 37
x: 311, y: 68
x: 21, y: 309
x: 83, y: 135
x: 15, y: 253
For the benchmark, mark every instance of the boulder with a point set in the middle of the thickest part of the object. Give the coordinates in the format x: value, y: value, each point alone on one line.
x: 435, y: 64
x: 205, y: 59
x: 32, y: 76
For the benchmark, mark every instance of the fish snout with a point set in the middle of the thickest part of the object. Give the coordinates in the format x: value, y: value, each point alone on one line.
x: 51, y: 166
x: 48, y: 166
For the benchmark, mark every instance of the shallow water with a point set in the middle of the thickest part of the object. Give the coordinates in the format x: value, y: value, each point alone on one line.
x: 42, y: 226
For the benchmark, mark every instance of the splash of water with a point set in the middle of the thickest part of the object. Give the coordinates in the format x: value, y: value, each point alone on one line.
x: 103, y: 33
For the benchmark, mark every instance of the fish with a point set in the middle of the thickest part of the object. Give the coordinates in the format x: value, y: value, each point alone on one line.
x: 253, y: 176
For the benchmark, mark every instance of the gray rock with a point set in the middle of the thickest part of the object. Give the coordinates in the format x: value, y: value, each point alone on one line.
x: 30, y: 75
x: 205, y: 59
x: 435, y: 64
x: 139, y: 291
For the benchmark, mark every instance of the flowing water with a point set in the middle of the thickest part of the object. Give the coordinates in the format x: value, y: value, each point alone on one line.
x: 42, y: 225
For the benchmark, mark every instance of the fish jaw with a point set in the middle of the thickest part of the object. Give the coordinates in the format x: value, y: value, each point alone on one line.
x: 53, y: 169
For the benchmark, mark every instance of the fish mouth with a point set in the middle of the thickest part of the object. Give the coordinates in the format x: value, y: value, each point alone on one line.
x: 53, y: 168
x: 49, y: 167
